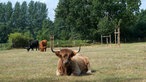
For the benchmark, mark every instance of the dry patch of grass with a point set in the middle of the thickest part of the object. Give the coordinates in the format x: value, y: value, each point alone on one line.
x: 110, y: 64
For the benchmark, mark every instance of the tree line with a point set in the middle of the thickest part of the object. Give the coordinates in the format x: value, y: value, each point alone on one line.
x: 29, y: 19
x: 74, y: 20
x: 89, y: 19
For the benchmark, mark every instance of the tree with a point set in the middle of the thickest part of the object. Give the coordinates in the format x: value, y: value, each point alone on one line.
x: 72, y: 18
x: 5, y: 15
x: 16, y: 20
x: 37, y: 13
x: 106, y: 27
x: 2, y: 13
x: 8, y: 12
x: 140, y: 26
x: 83, y: 16
x: 4, y: 31
x: 46, y: 31
x: 24, y: 16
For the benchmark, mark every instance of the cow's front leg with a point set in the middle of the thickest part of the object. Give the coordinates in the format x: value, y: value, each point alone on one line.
x: 76, y: 70
x: 58, y: 73
x: 60, y: 70
x: 32, y: 49
x: 36, y: 49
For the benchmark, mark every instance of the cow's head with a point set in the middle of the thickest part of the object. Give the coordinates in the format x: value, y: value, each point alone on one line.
x: 65, y: 55
x: 28, y: 48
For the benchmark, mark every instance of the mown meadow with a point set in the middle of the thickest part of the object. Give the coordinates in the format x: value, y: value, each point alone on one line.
x: 108, y: 63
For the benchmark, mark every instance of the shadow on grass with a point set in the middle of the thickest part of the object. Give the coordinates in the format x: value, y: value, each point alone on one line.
x: 58, y: 80
x: 61, y: 79
x: 92, y: 72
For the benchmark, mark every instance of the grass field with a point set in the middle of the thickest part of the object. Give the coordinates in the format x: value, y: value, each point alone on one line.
x: 109, y: 64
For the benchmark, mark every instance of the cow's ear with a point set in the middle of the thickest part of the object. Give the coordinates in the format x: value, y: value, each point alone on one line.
x: 58, y: 54
x: 73, y: 54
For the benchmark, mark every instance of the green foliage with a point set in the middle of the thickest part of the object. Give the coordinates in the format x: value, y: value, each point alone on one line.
x: 5, y: 46
x: 74, y: 19
x: 86, y: 18
x: 4, y: 30
x: 18, y: 40
x: 70, y: 43
x: 23, y: 18
x: 140, y: 27
x: 37, y: 14
x: 46, y: 30
x: 106, y: 27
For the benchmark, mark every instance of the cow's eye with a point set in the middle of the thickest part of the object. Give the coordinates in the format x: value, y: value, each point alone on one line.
x: 65, y: 56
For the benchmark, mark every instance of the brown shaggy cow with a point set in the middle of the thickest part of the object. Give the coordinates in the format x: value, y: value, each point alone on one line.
x: 43, y: 45
x: 71, y: 63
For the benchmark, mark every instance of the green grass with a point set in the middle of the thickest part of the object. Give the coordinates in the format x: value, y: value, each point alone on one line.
x: 110, y: 64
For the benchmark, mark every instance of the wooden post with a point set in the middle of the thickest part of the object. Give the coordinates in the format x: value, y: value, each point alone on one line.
x: 119, y: 37
x: 107, y: 41
x: 110, y: 39
x: 52, y: 41
x: 101, y: 40
x: 115, y: 37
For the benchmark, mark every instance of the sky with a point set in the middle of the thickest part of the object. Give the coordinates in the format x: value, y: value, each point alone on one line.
x: 52, y: 4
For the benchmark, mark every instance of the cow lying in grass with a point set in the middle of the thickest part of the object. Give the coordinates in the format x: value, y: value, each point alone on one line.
x: 71, y: 63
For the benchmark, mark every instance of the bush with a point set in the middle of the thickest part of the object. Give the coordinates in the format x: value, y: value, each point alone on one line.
x: 18, y: 40
x: 5, y: 46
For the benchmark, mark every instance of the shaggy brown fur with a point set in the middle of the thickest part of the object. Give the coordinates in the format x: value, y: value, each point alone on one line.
x: 71, y: 64
x: 43, y: 45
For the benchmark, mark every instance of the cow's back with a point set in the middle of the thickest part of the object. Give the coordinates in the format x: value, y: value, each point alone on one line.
x: 34, y: 43
x: 44, y: 42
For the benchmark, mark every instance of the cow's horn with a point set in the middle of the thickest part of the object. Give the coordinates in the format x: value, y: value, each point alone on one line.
x: 75, y: 52
x: 52, y: 49
x: 79, y: 49
x: 52, y: 43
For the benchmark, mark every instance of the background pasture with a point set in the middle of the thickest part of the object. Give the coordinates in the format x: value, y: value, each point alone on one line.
x: 109, y: 64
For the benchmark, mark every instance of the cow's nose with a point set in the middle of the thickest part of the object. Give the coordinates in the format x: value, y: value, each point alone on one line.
x: 65, y: 62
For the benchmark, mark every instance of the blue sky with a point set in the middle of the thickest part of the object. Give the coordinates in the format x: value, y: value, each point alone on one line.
x: 143, y: 4
x: 52, y: 4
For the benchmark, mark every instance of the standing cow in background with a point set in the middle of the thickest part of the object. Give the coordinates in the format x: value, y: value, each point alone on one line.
x: 33, y: 44
x: 43, y: 45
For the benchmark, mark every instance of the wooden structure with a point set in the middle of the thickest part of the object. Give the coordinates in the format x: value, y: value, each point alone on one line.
x: 51, y: 41
x: 108, y: 39
x: 117, y: 33
x: 117, y: 36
